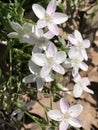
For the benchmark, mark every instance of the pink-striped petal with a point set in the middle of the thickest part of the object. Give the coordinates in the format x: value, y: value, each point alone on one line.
x: 49, y: 35
x: 41, y: 23
x: 86, y: 89
x: 63, y: 125
x: 86, y: 43
x: 53, y: 28
x: 51, y: 50
x: 83, y: 66
x: 45, y: 71
x: 58, y: 68
x: 75, y: 122
x: 77, y: 78
x: 75, y: 110
x: 55, y: 115
x: 38, y: 10
x: 60, y: 57
x: 85, y: 81
x: 59, y: 18
x: 78, y: 36
x: 84, y: 54
x: 51, y: 8
x: 39, y: 59
x: 77, y: 91
x: 72, y: 39
x: 64, y: 106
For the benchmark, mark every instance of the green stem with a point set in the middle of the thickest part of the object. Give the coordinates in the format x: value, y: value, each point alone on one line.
x: 46, y: 117
x: 51, y: 99
x: 10, y: 58
x: 45, y: 108
x: 35, y: 119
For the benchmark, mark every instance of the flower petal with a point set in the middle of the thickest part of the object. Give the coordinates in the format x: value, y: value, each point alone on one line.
x: 13, y: 35
x: 60, y: 57
x: 75, y: 110
x: 86, y: 43
x: 33, y: 67
x: 67, y: 63
x: 72, y: 39
x: 29, y: 79
x: 59, y: 18
x: 28, y: 38
x: 55, y: 115
x: 63, y: 125
x: 20, y: 116
x: 45, y: 71
x: 58, y: 68
x: 49, y: 35
x: 37, y: 48
x: 28, y: 27
x: 39, y: 58
x: 84, y: 54
x: 77, y: 78
x: 40, y: 84
x: 78, y: 36
x: 53, y: 28
x: 75, y: 54
x: 15, y: 112
x: 41, y: 23
x: 17, y: 27
x: 75, y: 71
x: 86, y: 89
x: 51, y: 50
x: 30, y: 104
x: 75, y: 122
x: 38, y: 10
x: 49, y: 78
x: 38, y: 32
x: 77, y: 91
x: 51, y: 7
x: 85, y: 81
x: 83, y: 66
x: 64, y: 106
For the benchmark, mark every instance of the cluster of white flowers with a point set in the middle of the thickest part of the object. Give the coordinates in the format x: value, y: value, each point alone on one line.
x: 47, y: 60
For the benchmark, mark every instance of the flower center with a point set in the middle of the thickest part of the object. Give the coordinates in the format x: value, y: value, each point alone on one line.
x: 79, y: 84
x: 80, y: 46
x: 48, y: 18
x: 75, y: 62
x: 41, y: 40
x: 50, y: 61
x: 66, y: 116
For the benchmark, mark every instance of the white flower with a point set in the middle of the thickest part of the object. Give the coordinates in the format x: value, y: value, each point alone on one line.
x: 25, y: 106
x: 21, y: 31
x: 81, y: 44
x: 49, y: 61
x: 39, y: 39
x: 80, y: 85
x: 66, y: 115
x: 75, y: 61
x: 49, y: 17
x: 35, y: 76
